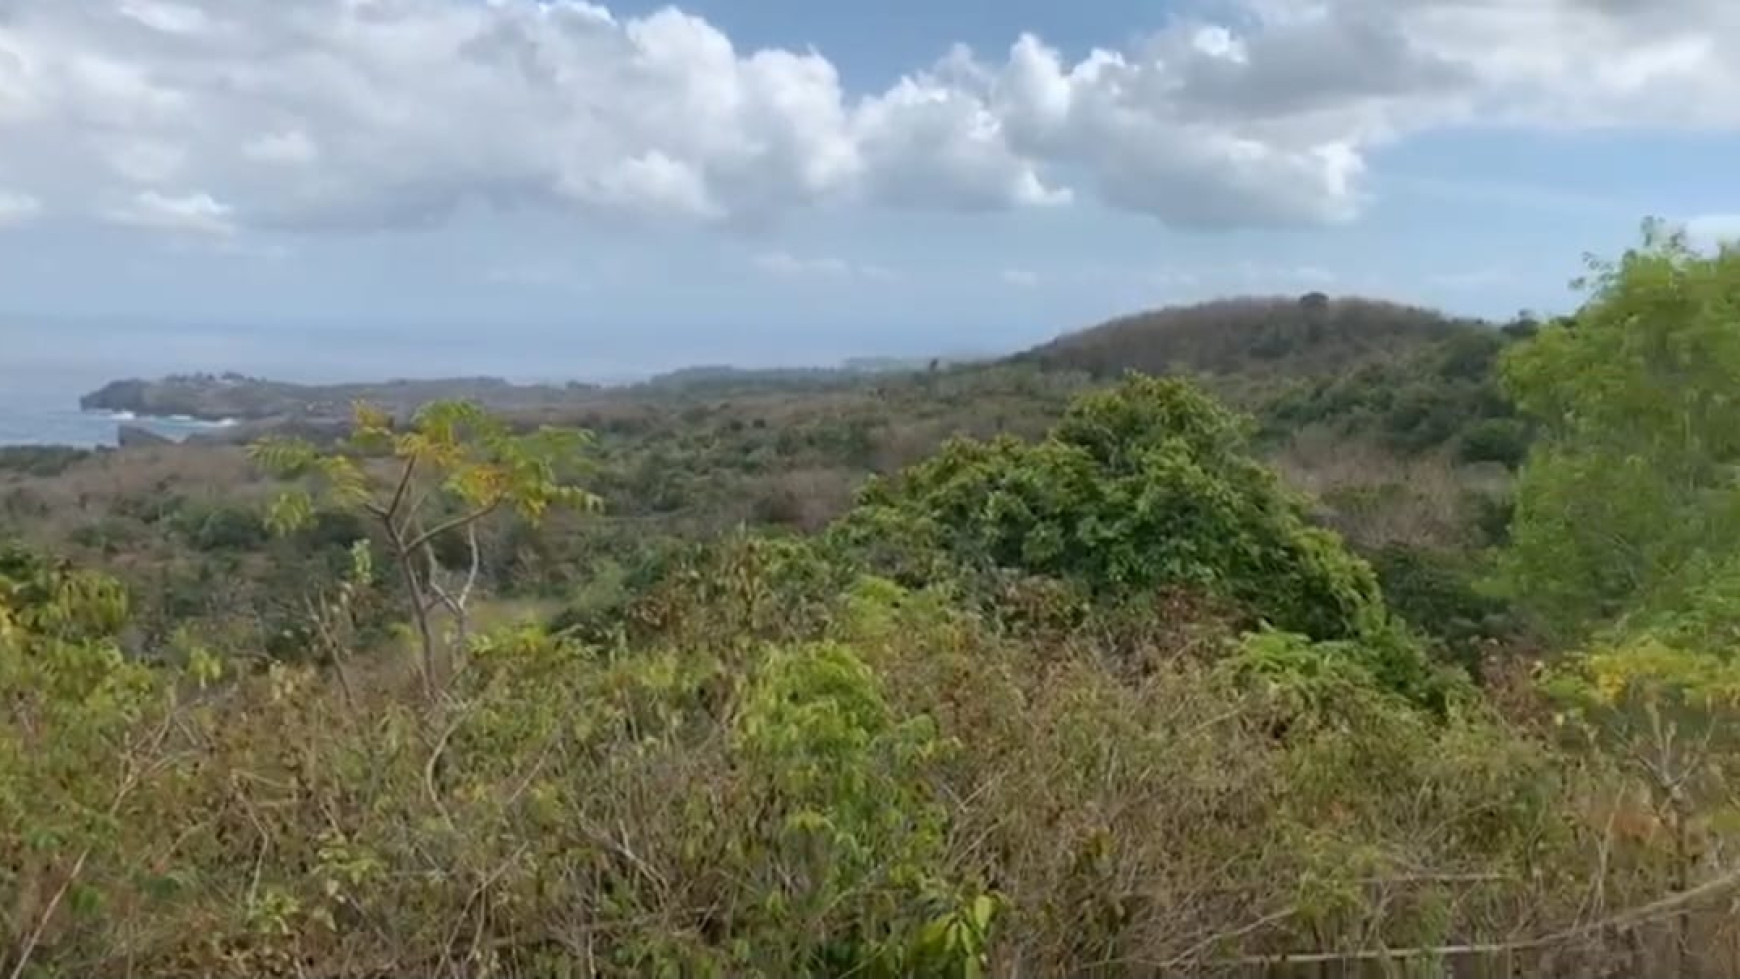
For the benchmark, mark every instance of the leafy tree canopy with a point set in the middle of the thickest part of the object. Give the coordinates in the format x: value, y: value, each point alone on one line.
x: 1145, y: 485
x: 1632, y: 485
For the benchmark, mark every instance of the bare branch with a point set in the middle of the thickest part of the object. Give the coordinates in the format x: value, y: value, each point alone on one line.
x: 404, y: 484
x: 453, y: 524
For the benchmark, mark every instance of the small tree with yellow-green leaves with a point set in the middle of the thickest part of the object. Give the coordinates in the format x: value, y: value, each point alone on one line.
x: 441, y: 474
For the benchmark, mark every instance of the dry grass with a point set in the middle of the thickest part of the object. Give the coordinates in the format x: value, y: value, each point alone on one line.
x: 1375, y: 498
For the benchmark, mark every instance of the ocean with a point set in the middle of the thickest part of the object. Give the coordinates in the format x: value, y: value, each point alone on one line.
x: 37, y: 412
x: 45, y: 365
x: 44, y: 369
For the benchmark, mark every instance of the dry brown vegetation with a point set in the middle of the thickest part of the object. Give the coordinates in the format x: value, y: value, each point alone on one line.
x: 1375, y: 499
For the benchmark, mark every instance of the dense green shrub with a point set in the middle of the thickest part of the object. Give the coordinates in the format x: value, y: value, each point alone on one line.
x: 1501, y: 440
x: 221, y: 527
x: 1441, y: 595
x: 1144, y: 486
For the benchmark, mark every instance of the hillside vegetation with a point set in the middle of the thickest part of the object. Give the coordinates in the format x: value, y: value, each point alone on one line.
x: 1311, y: 334
x: 996, y: 670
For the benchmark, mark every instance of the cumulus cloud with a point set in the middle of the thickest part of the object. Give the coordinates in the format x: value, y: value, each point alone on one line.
x: 335, y: 114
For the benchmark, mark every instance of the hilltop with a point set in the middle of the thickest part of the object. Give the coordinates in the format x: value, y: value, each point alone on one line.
x: 1307, y: 335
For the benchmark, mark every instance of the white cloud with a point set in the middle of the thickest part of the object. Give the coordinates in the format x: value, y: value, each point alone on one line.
x: 317, y: 114
x: 1019, y: 278
x: 193, y: 213
x: 787, y: 265
x: 16, y: 209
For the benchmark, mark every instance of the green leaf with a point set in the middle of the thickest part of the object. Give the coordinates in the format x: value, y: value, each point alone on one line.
x: 290, y: 511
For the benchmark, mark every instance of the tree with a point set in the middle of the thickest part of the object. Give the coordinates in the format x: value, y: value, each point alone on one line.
x: 423, y: 484
x: 1632, y: 480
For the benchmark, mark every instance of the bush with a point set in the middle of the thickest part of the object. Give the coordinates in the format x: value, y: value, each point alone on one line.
x: 219, y: 527
x: 1144, y: 486
x: 1501, y: 440
x: 1439, y: 593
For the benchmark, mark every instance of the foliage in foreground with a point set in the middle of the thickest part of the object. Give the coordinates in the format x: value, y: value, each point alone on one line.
x: 903, y: 792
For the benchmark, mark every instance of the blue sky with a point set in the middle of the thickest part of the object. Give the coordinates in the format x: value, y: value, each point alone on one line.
x: 542, y: 189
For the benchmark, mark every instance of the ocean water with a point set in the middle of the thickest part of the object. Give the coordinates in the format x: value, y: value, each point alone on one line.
x: 44, y: 410
x: 45, y: 365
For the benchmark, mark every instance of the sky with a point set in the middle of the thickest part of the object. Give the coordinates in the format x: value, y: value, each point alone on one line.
x: 559, y: 188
